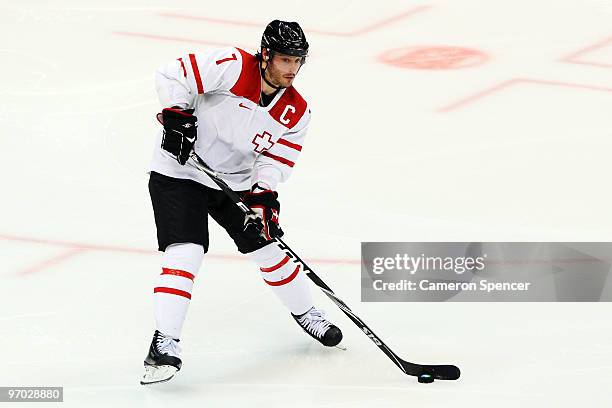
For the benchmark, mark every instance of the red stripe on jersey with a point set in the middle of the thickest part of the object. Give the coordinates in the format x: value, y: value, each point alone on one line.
x: 196, y: 73
x: 289, y: 109
x: 248, y: 84
x: 183, y: 66
x: 278, y: 158
x: 278, y: 265
x: 286, y: 280
x: 172, y: 291
x: 177, y: 272
x: 289, y: 144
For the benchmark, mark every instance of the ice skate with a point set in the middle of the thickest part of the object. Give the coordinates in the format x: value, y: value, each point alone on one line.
x: 163, y: 360
x: 313, y: 322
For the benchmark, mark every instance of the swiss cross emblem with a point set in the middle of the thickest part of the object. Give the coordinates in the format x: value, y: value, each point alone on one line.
x: 262, y: 142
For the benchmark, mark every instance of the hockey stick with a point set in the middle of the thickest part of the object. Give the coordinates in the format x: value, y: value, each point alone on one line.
x: 425, y: 372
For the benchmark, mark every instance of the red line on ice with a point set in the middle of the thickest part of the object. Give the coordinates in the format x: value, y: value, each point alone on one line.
x: 573, y: 58
x: 359, y: 31
x: 179, y: 39
x: 109, y: 248
x: 385, y: 22
x: 55, y: 260
x: 475, y: 97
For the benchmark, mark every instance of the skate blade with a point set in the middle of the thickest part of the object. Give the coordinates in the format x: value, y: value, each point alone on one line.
x: 157, y: 374
x: 340, y: 346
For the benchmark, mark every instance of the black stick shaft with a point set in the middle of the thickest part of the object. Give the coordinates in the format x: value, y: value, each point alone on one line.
x: 445, y: 372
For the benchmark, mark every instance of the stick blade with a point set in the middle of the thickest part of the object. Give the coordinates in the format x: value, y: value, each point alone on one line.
x: 438, y: 372
x: 444, y: 372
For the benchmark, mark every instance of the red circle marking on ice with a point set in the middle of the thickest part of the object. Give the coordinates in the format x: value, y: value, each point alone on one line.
x: 433, y: 57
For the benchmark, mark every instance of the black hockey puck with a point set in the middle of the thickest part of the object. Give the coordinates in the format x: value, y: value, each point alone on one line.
x: 426, y: 378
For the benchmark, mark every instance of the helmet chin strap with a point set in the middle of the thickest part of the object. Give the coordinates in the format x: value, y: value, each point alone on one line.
x: 263, y: 75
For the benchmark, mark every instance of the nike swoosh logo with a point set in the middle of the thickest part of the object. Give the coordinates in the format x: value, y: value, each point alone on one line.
x: 244, y: 106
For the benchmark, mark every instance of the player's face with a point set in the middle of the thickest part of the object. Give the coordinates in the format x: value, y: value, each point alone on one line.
x: 282, y: 69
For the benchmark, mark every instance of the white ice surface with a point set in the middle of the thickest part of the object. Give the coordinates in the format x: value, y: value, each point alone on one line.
x: 381, y: 163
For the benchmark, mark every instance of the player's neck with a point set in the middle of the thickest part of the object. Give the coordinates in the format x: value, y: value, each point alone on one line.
x: 267, y: 89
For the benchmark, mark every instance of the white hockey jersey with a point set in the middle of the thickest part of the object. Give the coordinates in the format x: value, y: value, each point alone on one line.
x: 244, y: 142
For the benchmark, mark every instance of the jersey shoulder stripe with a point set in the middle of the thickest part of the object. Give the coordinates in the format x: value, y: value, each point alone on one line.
x: 248, y: 84
x: 289, y: 144
x: 196, y: 73
x: 183, y: 66
x: 289, y: 109
x: 278, y: 158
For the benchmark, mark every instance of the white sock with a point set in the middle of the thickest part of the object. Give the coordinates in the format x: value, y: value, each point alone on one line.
x: 180, y: 264
x: 285, y: 278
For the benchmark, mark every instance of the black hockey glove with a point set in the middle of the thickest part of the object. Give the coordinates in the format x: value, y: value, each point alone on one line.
x: 266, y: 207
x: 180, y: 132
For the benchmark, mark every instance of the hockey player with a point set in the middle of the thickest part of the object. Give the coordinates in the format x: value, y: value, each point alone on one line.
x: 241, y: 114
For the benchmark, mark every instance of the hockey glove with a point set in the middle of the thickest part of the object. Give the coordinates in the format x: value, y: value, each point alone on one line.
x: 180, y: 132
x: 266, y: 207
